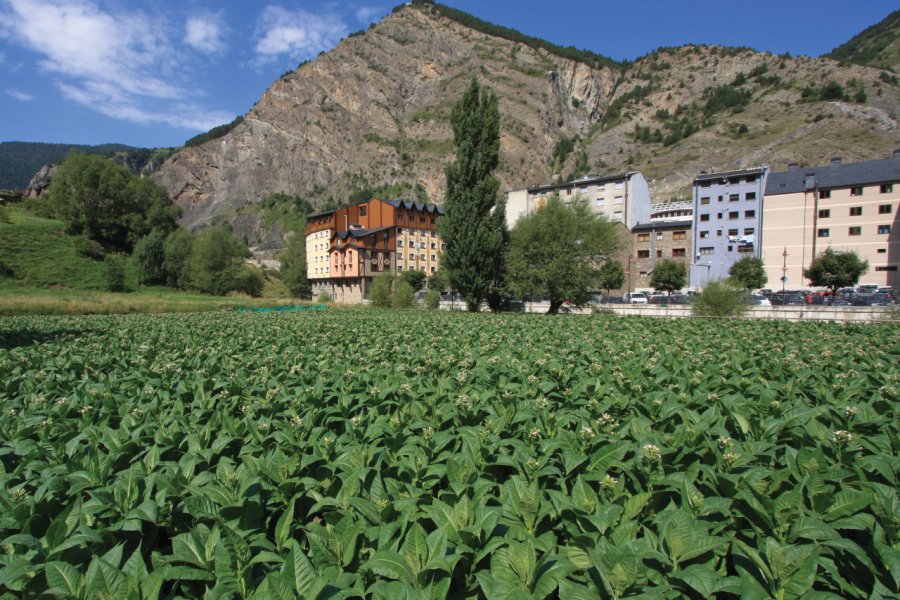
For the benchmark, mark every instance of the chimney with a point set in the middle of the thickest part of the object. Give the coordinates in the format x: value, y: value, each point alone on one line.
x: 835, y: 161
x: 793, y: 166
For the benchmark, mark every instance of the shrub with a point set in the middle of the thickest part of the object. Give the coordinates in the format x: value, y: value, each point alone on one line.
x: 381, y: 293
x: 432, y: 299
x: 114, y: 272
x: 85, y: 246
x: 249, y: 280
x: 415, y: 278
x: 324, y: 297
x: 149, y: 258
x: 721, y: 299
x: 177, y: 253
x: 404, y: 296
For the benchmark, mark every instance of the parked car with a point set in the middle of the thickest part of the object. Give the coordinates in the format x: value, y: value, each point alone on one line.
x: 759, y: 300
x: 635, y: 298
x: 787, y: 299
x: 658, y: 299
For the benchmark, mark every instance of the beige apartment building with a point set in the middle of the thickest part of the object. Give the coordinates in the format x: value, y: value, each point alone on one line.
x: 623, y: 198
x: 851, y: 206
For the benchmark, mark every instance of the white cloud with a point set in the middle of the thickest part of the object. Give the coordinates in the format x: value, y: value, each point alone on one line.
x: 368, y: 14
x: 297, y: 34
x: 122, y: 64
x: 205, y: 33
x: 19, y: 95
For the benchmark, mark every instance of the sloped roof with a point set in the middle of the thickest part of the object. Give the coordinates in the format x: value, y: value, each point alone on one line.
x: 726, y: 174
x: 835, y: 175
x: 419, y: 206
x: 657, y: 225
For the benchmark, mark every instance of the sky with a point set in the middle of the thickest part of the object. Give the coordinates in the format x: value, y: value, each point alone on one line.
x: 157, y: 72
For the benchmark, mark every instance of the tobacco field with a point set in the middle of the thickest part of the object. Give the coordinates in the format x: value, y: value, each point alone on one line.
x: 368, y: 454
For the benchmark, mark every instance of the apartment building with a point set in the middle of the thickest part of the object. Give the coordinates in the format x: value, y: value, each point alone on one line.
x: 727, y: 218
x: 623, y: 198
x: 347, y: 247
x: 852, y: 206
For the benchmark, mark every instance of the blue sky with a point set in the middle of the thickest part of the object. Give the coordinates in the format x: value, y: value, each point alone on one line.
x: 157, y: 72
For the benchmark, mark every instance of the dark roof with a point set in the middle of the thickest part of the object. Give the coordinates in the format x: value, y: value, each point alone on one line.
x: 419, y: 206
x: 738, y: 173
x: 407, y: 204
x: 686, y: 224
x: 835, y: 175
x: 583, y: 181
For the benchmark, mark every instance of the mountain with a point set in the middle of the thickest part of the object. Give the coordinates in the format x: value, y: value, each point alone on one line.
x: 374, y: 112
x: 877, y: 46
x: 19, y: 161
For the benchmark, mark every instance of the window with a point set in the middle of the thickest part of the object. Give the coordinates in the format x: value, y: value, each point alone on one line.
x: 750, y: 178
x: 643, y: 237
x: 422, y: 256
x: 750, y: 196
x: 734, y: 180
x: 568, y: 191
x: 884, y: 229
x: 659, y: 254
x: 734, y: 197
x: 749, y: 231
x: 412, y: 256
x: 678, y: 252
x: 890, y: 268
x: 824, y: 213
x: 617, y: 200
x: 363, y: 210
x: 704, y: 217
x: 399, y: 243
x: 433, y: 257
x: 856, y: 190
x: 705, y: 183
x: 855, y: 211
x: 884, y: 209
x: 659, y: 235
x: 824, y: 193
x: 730, y: 248
x: 823, y: 233
x: 732, y: 232
x: 721, y: 198
x: 620, y: 185
x: 582, y: 190
x: 642, y: 274
x: 399, y: 269
x: 704, y: 200
x: 704, y: 235
x: 882, y: 251
x: 617, y: 216
x: 749, y: 214
x: 719, y: 233
x: 600, y: 202
x: 855, y: 231
x: 734, y: 214
x: 707, y: 250
x: 433, y: 269
x: 433, y: 245
x: 679, y: 235
x: 399, y: 230
x: 643, y: 254
x: 887, y: 188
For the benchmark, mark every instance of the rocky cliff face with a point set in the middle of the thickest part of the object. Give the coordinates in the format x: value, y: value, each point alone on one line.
x: 375, y: 111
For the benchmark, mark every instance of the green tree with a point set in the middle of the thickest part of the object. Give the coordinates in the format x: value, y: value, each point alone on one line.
x: 414, y: 277
x: 611, y: 275
x: 149, y: 258
x: 103, y: 201
x: 473, y: 225
x: 835, y: 269
x: 556, y: 252
x: 178, y: 249
x: 293, y: 266
x: 749, y: 273
x: 721, y: 299
x: 381, y: 293
x: 669, y: 275
x: 439, y: 281
x: 216, y: 260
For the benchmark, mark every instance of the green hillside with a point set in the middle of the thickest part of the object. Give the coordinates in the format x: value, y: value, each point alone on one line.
x: 36, y: 252
x: 19, y: 161
x: 876, y: 46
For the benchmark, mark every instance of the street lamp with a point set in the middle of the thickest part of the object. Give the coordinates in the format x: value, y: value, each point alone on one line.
x: 784, y: 272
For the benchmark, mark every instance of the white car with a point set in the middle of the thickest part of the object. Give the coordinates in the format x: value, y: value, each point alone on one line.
x: 635, y: 298
x: 759, y: 300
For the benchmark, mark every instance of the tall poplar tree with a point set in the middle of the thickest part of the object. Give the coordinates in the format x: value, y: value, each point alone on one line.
x: 474, y: 221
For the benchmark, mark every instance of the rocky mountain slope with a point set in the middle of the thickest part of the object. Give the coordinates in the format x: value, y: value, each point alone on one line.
x: 374, y: 112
